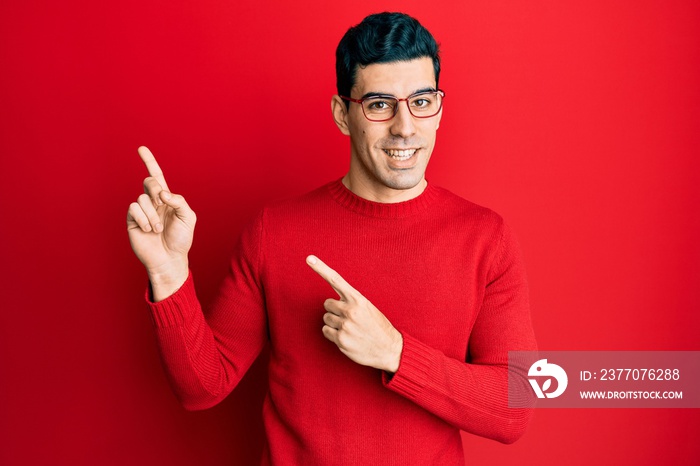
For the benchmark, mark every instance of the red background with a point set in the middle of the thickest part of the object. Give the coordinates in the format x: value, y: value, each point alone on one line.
x: 577, y: 121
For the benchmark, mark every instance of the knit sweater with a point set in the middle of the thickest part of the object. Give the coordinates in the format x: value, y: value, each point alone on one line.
x: 446, y: 273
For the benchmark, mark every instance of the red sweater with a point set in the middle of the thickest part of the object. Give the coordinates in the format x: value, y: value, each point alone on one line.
x: 445, y: 272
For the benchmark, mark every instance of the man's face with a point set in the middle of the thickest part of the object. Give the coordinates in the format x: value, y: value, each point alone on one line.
x: 389, y: 158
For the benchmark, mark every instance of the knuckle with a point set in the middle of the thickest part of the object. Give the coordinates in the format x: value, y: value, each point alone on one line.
x: 351, y: 312
x: 327, y: 332
x: 134, y: 212
x: 334, y: 276
x: 343, y: 341
x: 151, y: 182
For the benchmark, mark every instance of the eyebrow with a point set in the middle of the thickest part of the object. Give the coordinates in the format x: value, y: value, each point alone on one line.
x: 384, y: 94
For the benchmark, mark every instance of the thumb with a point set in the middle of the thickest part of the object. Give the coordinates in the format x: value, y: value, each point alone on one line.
x: 178, y: 203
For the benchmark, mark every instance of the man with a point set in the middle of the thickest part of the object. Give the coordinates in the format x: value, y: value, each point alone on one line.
x: 431, y: 293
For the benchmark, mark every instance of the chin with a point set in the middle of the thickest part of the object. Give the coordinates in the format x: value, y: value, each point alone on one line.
x: 403, y: 182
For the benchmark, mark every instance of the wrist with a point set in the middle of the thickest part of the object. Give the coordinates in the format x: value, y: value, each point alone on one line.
x: 394, y: 359
x: 167, y: 279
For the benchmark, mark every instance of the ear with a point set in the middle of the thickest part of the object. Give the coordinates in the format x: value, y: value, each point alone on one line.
x: 340, y: 114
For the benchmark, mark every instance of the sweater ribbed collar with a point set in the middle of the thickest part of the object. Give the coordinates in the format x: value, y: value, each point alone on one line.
x: 352, y: 201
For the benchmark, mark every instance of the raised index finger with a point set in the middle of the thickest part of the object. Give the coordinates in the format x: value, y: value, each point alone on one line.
x: 152, y: 166
x: 338, y: 283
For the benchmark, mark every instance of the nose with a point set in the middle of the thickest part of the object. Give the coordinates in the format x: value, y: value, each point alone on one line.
x: 403, y: 124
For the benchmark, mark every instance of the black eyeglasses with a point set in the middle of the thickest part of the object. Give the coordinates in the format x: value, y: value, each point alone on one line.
x: 384, y: 107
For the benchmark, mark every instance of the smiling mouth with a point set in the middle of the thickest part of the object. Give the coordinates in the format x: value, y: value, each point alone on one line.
x: 404, y: 154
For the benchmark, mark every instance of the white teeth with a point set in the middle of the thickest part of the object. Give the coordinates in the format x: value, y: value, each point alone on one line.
x: 400, y: 154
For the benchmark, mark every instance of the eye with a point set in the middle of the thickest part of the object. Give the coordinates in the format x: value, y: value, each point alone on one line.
x: 421, y: 102
x: 378, y: 105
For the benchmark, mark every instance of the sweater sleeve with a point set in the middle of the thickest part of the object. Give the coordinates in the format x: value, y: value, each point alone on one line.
x: 205, y: 355
x: 473, y: 394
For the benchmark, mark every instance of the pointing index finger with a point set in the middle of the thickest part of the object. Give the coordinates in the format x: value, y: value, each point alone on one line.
x: 152, y: 166
x: 333, y: 278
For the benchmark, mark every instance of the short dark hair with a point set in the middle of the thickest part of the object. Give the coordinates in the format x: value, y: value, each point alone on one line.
x: 382, y: 38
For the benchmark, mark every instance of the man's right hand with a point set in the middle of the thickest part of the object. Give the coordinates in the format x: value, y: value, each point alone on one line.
x: 161, y: 229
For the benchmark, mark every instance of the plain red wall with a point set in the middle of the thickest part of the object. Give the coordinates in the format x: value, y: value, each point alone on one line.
x: 577, y: 121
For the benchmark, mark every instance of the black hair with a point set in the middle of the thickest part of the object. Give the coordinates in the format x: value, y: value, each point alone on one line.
x: 382, y: 38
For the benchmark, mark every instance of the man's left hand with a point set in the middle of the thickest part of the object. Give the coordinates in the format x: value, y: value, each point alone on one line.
x: 356, y: 326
